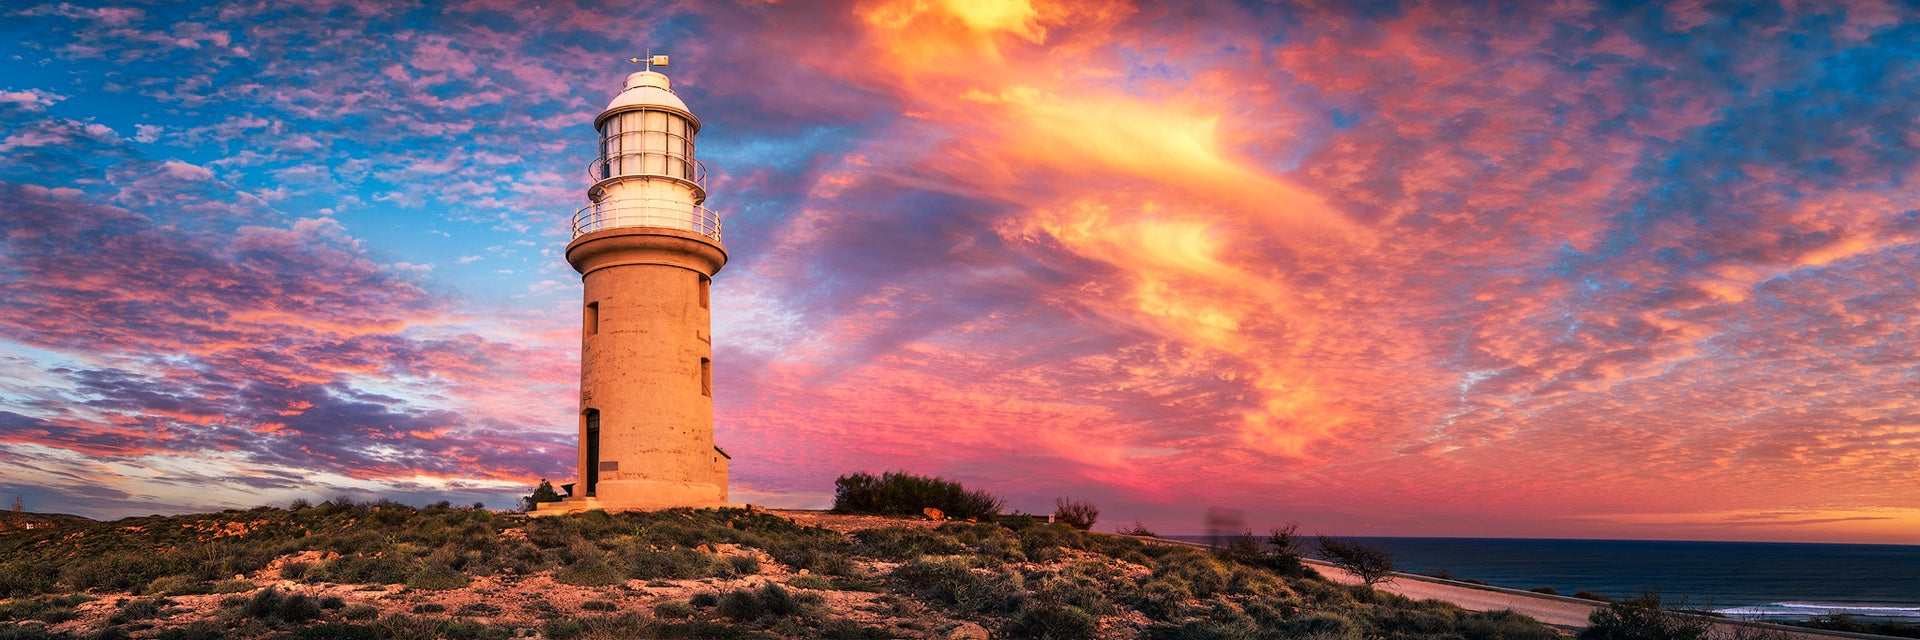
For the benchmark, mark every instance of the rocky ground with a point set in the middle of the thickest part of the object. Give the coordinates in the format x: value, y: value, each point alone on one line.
x: 389, y: 571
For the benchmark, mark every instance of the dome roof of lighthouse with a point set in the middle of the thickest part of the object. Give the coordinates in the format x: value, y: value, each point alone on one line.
x: 646, y: 89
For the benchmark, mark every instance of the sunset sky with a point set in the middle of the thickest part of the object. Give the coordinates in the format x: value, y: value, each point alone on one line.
x: 1587, y: 270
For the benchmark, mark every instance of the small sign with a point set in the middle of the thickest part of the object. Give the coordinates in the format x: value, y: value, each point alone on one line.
x: 609, y: 466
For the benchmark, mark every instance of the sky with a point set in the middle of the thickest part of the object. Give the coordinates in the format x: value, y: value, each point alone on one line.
x: 1571, y: 269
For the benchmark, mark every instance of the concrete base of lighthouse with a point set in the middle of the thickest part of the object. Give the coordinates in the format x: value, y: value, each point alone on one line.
x: 642, y: 495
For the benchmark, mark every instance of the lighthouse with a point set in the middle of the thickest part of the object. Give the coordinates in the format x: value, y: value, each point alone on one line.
x: 646, y: 249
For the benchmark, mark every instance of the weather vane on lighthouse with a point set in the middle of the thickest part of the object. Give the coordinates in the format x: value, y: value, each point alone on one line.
x: 650, y: 60
x: 646, y: 250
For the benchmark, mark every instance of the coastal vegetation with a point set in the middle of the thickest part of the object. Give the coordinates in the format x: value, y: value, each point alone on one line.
x: 899, y: 493
x: 1079, y: 515
x: 342, y: 569
x: 1371, y: 565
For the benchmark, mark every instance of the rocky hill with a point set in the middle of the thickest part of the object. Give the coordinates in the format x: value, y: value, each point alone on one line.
x: 391, y: 571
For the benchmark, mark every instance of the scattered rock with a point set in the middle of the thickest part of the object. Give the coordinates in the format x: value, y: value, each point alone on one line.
x: 968, y: 631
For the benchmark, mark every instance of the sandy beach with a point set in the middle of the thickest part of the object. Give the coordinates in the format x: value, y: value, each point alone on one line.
x: 1567, y: 614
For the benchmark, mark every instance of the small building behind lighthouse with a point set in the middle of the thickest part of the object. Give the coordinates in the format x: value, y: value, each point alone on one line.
x: 647, y: 250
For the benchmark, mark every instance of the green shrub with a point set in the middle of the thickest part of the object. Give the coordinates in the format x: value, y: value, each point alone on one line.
x: 234, y: 586
x: 1546, y: 590
x: 360, y: 612
x: 210, y: 630
x: 357, y: 569
x: 599, y: 605
x: 139, y: 609
x: 1643, y: 619
x: 436, y: 577
x: 670, y: 564
x: 18, y: 579
x: 813, y: 582
x: 952, y: 582
x: 844, y: 629
x: 332, y: 631
x: 430, y: 607
x: 743, y: 565
x: 769, y: 602
x: 1504, y: 625
x: 1161, y: 598
x: 1371, y: 565
x: 823, y: 552
x: 1323, y: 626
x: 270, y: 604
x: 901, y: 493
x: 542, y: 493
x: 704, y: 599
x: 1052, y: 622
x: 21, y: 609
x: 674, y: 609
x: 589, y: 573
x: 904, y: 543
x: 1079, y: 515
x: 177, y: 585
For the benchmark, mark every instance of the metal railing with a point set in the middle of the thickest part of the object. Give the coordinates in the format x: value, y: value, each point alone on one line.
x: 668, y: 214
x: 648, y: 163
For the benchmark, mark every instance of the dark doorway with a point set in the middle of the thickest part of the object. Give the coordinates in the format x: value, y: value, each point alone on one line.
x: 593, y: 451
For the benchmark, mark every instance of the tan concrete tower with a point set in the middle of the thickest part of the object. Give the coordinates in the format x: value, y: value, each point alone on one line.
x: 647, y: 251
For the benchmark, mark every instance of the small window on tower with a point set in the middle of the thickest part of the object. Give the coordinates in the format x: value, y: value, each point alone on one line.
x: 705, y: 284
x: 706, y: 377
x: 593, y: 318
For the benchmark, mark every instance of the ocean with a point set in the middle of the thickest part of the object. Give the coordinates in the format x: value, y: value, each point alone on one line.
x: 1747, y: 580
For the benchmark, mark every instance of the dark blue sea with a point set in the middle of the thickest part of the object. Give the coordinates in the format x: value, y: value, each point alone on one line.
x: 1750, y: 580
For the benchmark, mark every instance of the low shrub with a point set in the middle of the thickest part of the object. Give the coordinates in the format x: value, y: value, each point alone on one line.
x: 599, y: 605
x: 360, y: 612
x: 1546, y: 590
x: 1079, y: 515
x: 358, y: 569
x: 813, y: 582
x: 844, y: 629
x: 904, y: 543
x: 234, y: 586
x: 674, y: 609
x: 331, y: 631
x: 901, y: 493
x: 769, y: 602
x: 1504, y: 625
x: 1371, y: 565
x: 950, y: 581
x: 1319, y: 626
x: 1052, y: 622
x: 269, y: 604
x: 743, y: 565
x: 139, y: 609
x: 671, y: 564
x: 436, y: 577
x: 1643, y: 618
x: 177, y: 585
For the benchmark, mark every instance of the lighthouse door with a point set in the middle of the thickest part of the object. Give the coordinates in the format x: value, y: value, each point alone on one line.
x: 593, y: 451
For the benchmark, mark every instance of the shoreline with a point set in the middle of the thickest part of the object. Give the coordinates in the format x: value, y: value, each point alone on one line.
x: 1565, y: 613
